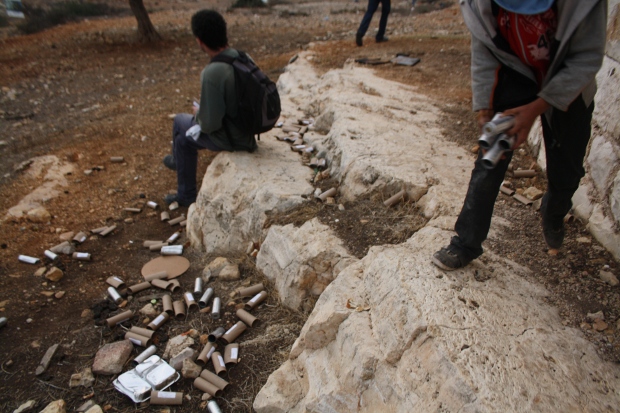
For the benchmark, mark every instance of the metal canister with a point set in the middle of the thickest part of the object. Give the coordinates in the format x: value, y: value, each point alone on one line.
x: 217, y: 306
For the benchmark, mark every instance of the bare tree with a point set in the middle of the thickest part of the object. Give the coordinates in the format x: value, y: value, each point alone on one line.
x: 146, y: 30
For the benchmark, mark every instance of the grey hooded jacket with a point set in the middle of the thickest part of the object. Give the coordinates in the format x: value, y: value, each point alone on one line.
x: 581, y: 33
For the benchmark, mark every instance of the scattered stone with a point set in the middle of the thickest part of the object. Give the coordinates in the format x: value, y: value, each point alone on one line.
x: 533, y: 193
x: 595, y: 316
x: 230, y: 273
x: 206, y: 396
x: 26, y: 407
x: 9, y: 363
x: 47, y: 293
x: 177, y: 344
x: 599, y: 325
x: 35, y: 344
x: 66, y: 236
x: 341, y: 207
x: 193, y: 333
x: 177, y: 361
x: 54, y: 274
x: 204, y: 339
x: 128, y: 220
x: 45, y: 361
x: 584, y: 240
x: 95, y: 409
x: 84, y: 379
x: 111, y: 357
x: 59, y: 294
x: 87, y: 313
x: 57, y: 406
x: 87, y: 405
x: 29, y: 320
x: 189, y: 369
x: 40, y: 215
x: 40, y: 272
x: 213, y: 268
x: 608, y: 277
x: 149, y: 311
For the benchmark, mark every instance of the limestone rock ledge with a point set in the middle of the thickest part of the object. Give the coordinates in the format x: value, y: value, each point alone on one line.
x: 425, y: 340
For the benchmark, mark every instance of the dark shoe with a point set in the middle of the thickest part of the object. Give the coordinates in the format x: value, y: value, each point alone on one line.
x: 170, y: 162
x: 358, y: 40
x: 170, y: 198
x: 382, y: 39
x: 450, y: 258
x: 553, y: 232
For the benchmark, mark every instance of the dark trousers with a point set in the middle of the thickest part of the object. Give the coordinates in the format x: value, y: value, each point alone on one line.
x: 372, y: 8
x: 566, y: 139
x: 185, y: 151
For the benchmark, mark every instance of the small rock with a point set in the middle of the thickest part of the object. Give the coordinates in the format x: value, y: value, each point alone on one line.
x: 177, y: 361
x: 59, y: 294
x: 599, y: 325
x: 583, y: 240
x: 47, y: 293
x: 608, y: 277
x: 206, y: 396
x: 66, y: 236
x: 340, y: 207
x: 193, y: 334
x: 230, y: 273
x: 149, y: 311
x: 88, y: 313
x: 57, y: 406
x: 475, y: 149
x: 189, y: 369
x: 46, y: 360
x: 595, y: 316
x: 29, y: 320
x: 177, y: 344
x: 85, y: 406
x: 95, y: 409
x: 204, y: 339
x: 40, y: 215
x: 128, y: 221
x: 533, y: 193
x: 111, y: 358
x: 84, y: 379
x: 54, y: 274
x: 26, y: 407
x: 213, y: 268
x: 35, y: 344
x: 40, y: 272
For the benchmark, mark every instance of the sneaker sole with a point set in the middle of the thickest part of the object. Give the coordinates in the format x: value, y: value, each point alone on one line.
x: 441, y: 264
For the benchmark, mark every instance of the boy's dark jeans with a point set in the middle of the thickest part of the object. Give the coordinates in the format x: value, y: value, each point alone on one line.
x: 185, y: 151
x: 373, y: 5
x: 566, y: 140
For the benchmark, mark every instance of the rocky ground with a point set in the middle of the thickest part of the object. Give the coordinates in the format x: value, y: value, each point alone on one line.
x: 76, y: 95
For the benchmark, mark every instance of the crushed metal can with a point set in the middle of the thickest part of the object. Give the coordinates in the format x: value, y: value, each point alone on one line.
x: 152, y: 374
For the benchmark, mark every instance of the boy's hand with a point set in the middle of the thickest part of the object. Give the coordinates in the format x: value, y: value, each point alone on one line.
x: 484, y: 116
x: 524, y: 119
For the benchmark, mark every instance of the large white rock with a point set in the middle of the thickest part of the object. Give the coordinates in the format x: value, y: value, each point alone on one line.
x: 435, y: 341
x: 601, y: 160
x: 302, y: 261
x: 615, y: 198
x: 238, y: 191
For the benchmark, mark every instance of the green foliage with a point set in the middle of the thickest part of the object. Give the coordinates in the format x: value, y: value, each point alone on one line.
x: 248, y: 3
x: 38, y: 19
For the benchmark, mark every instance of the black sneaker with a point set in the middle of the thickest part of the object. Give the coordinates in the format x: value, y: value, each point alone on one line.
x: 553, y: 233
x: 170, y: 162
x: 382, y: 39
x: 449, y: 258
x: 170, y: 198
x: 358, y: 40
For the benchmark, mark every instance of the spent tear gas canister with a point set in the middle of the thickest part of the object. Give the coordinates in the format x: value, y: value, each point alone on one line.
x: 204, y: 300
x: 216, y: 308
x: 158, y: 321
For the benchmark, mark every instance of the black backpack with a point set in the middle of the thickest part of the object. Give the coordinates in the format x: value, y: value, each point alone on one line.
x: 259, y: 108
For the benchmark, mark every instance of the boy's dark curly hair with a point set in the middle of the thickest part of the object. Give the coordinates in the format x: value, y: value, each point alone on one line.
x: 210, y: 27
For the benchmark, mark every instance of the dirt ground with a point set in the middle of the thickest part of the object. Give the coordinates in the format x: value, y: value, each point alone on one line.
x: 88, y: 91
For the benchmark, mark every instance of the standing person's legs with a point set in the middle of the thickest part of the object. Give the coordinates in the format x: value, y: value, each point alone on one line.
x: 372, y: 8
x: 566, y: 142
x: 185, y: 151
x: 385, y: 11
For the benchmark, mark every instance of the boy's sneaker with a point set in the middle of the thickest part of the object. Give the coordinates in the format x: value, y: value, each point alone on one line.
x: 358, y: 40
x: 170, y: 162
x: 449, y: 258
x: 382, y: 39
x: 170, y: 198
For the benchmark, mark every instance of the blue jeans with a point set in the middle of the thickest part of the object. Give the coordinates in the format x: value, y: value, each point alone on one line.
x: 185, y: 152
x: 373, y: 5
x: 566, y: 139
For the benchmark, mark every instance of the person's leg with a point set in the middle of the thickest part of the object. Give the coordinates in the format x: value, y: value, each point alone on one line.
x: 185, y: 151
x: 385, y: 11
x: 372, y: 8
x: 566, y: 141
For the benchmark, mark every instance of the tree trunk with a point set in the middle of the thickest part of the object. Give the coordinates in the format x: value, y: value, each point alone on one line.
x: 146, y: 30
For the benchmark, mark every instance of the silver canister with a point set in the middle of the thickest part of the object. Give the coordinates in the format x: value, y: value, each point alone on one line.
x: 217, y: 306
x: 28, y: 259
x: 173, y: 237
x: 81, y: 256
x: 50, y: 255
x: 198, y: 286
x: 204, y: 300
x: 152, y: 204
x: 172, y: 250
x: 217, y: 333
x: 3, y: 321
x: 114, y: 295
x: 213, y: 407
x: 145, y: 354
